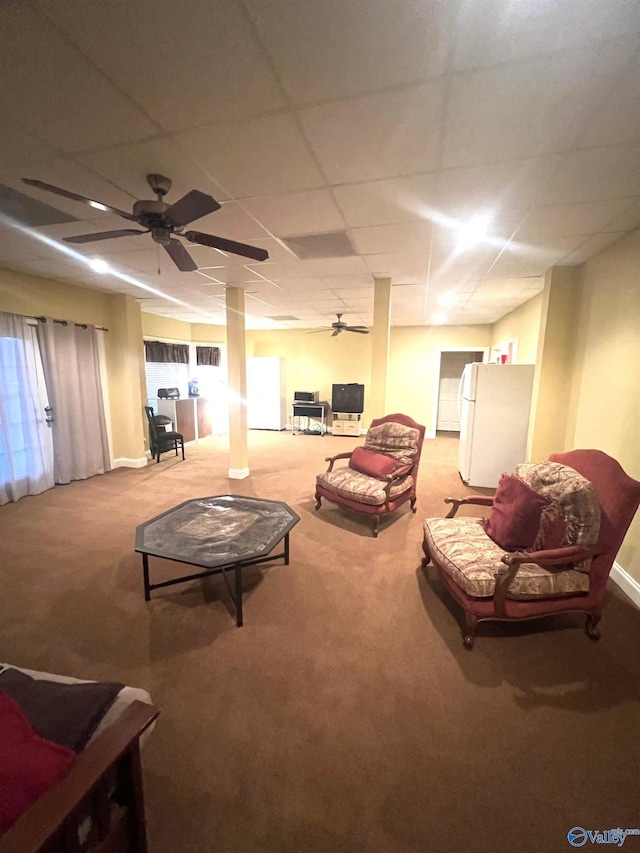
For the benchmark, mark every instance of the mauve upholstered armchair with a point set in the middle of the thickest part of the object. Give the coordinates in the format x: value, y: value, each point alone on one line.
x: 379, y: 477
x: 563, y: 560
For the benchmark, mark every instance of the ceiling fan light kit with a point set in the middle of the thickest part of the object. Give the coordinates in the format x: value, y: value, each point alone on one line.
x: 163, y: 221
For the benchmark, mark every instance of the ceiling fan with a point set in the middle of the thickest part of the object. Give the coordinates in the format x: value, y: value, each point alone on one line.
x: 162, y: 221
x: 339, y: 327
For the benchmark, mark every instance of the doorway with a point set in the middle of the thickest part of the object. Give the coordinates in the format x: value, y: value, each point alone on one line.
x: 452, y: 362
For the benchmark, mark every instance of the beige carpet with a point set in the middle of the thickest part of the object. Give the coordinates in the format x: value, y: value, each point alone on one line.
x: 345, y: 715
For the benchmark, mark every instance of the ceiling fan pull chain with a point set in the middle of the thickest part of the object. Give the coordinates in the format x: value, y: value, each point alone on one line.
x: 158, y: 251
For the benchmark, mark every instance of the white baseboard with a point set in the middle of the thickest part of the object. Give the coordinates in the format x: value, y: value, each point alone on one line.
x: 627, y: 584
x: 123, y: 462
x: 238, y: 473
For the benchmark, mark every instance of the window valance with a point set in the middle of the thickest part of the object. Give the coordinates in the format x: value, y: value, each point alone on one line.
x: 208, y: 356
x: 163, y: 353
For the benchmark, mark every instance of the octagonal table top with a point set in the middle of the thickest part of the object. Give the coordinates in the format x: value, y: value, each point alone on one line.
x: 215, y: 531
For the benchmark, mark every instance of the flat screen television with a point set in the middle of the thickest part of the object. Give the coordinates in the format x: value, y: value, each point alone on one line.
x: 348, y: 398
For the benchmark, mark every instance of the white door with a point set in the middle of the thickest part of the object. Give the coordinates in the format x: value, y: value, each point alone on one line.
x: 451, y: 367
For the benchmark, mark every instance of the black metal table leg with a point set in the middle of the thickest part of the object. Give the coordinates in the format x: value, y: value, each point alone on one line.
x: 286, y: 549
x: 145, y: 575
x: 238, y: 602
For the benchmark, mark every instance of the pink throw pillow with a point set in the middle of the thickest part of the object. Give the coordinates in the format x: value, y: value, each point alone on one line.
x: 514, y: 520
x: 28, y: 763
x: 371, y: 463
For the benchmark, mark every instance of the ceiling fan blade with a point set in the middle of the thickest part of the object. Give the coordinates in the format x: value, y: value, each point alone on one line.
x: 315, y: 331
x: 98, y: 205
x: 103, y: 235
x: 181, y: 258
x: 336, y: 332
x: 227, y: 245
x: 359, y: 329
x: 193, y: 205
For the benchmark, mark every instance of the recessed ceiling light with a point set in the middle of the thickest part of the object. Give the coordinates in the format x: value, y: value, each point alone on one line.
x: 447, y: 299
x: 98, y: 265
x: 472, y: 231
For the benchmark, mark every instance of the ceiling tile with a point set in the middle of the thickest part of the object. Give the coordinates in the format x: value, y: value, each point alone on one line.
x: 377, y: 136
x: 264, y: 156
x: 312, y: 268
x: 55, y: 106
x: 213, y: 43
x: 593, y: 174
x: 593, y: 246
x: 399, y: 265
x: 538, y: 106
x: 568, y: 219
x: 386, y: 202
x: 491, y: 187
x: 296, y: 213
x: 349, y: 48
x: 404, y: 237
x: 496, y: 31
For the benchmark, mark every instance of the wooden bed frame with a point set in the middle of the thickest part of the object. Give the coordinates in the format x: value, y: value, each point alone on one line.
x: 98, y: 807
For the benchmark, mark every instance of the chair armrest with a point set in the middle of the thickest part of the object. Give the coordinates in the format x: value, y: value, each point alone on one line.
x: 554, y: 557
x: 402, y: 471
x: 62, y: 802
x: 472, y: 500
x: 332, y: 459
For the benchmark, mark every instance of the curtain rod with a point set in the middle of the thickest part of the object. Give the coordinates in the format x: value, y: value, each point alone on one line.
x: 65, y: 323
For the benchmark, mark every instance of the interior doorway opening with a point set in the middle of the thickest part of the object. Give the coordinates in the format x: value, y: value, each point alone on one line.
x: 446, y: 416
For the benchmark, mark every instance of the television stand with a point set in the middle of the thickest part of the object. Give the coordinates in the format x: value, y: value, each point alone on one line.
x: 346, y: 423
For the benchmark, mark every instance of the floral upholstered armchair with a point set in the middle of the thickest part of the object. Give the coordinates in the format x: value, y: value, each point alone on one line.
x: 379, y: 477
x: 547, y: 546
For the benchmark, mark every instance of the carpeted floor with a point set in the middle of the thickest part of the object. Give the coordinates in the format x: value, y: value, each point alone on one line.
x: 346, y: 714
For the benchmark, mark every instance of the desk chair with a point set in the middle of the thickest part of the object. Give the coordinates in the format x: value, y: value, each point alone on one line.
x: 160, y: 440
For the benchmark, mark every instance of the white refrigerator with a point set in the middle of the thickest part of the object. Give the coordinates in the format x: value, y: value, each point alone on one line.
x: 495, y: 402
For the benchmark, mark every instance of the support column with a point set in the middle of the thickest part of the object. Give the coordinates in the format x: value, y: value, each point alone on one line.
x: 377, y: 404
x: 127, y: 381
x: 550, y: 406
x: 237, y: 365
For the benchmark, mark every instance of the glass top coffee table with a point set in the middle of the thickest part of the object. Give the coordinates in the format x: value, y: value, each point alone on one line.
x: 216, y: 533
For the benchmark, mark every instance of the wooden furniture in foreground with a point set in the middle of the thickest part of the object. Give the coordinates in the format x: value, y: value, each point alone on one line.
x: 98, y: 806
x: 396, y: 438
x: 463, y: 554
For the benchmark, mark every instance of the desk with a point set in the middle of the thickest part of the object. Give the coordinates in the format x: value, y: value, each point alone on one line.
x: 318, y: 412
x: 216, y: 533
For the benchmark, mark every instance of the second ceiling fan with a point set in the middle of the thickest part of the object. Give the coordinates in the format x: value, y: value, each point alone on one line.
x: 339, y: 327
x: 163, y: 221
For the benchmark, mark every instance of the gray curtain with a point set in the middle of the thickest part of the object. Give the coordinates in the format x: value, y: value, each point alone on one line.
x: 72, y: 373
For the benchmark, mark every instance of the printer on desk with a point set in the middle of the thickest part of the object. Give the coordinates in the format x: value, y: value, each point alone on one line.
x: 168, y: 393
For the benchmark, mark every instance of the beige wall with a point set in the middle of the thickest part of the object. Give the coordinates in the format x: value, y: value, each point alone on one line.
x: 604, y: 405
x: 554, y: 362
x: 154, y: 325
x: 523, y: 326
x: 414, y: 363
x: 315, y: 361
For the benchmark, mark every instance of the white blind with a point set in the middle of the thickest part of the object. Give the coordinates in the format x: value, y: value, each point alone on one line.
x: 160, y: 375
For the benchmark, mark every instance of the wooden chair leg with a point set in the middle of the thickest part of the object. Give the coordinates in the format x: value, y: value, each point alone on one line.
x: 374, y: 525
x: 318, y: 501
x: 591, y: 629
x: 469, y: 634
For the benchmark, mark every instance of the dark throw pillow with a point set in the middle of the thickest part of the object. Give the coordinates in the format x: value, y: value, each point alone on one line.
x: 514, y: 520
x: 29, y: 765
x: 67, y: 714
x: 371, y: 463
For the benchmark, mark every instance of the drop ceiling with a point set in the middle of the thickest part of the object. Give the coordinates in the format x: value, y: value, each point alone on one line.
x: 376, y: 125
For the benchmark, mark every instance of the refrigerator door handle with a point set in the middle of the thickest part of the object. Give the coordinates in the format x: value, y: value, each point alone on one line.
x: 460, y: 387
